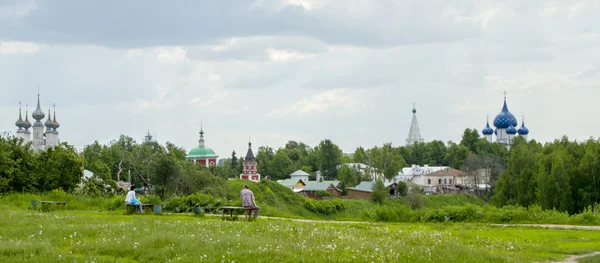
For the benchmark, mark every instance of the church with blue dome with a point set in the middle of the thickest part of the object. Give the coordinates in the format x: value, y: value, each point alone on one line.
x: 506, y: 127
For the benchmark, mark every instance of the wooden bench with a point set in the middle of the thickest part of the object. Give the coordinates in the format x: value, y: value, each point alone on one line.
x: 225, y: 209
x: 145, y: 208
x: 45, y: 204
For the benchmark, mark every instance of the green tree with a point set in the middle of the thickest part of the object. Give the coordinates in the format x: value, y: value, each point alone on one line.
x: 387, y: 160
x: 347, y: 176
x: 360, y: 155
x: 436, y: 153
x: 456, y: 155
x: 379, y: 193
x: 469, y: 139
x: 330, y: 156
x: 402, y: 188
x: 263, y: 158
x: 177, y: 152
x: 281, y: 166
x: 554, y: 191
x: 234, y: 161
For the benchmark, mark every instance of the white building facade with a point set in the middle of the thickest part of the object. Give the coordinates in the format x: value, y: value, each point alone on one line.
x: 39, y: 137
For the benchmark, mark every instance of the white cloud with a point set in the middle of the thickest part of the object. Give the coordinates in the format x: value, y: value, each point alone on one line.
x: 284, y: 55
x: 348, y: 70
x: 344, y: 101
x: 14, y: 47
x: 171, y: 55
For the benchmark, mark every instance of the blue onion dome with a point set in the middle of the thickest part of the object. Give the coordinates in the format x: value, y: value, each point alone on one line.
x: 49, y: 123
x: 496, y: 132
x: 511, y: 129
x: 505, y: 118
x: 523, y: 130
x: 487, y: 130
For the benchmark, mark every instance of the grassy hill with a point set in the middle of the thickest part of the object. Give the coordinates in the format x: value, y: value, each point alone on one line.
x: 277, y: 200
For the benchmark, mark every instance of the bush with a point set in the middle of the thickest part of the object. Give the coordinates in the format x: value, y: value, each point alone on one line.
x: 416, y: 200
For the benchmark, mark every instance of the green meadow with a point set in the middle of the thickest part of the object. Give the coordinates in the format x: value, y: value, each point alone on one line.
x: 87, y: 236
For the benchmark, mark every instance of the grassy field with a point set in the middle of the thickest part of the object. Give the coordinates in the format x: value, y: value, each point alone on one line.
x: 87, y: 236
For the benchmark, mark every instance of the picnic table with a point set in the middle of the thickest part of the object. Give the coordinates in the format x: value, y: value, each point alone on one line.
x: 230, y: 209
x: 46, y: 204
x: 145, y: 208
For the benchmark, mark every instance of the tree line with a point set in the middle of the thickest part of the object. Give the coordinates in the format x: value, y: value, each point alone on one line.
x: 560, y: 175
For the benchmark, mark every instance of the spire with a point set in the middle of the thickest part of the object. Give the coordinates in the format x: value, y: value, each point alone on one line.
x: 249, y: 155
x: 487, y: 130
x: 56, y: 124
x: 49, y: 124
x: 38, y: 114
x: 414, y: 134
x: 523, y: 130
x: 20, y: 123
x: 201, y: 141
x: 27, y: 123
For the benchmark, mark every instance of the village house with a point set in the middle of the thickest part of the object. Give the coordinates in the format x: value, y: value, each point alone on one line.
x: 314, y: 190
x: 364, y: 190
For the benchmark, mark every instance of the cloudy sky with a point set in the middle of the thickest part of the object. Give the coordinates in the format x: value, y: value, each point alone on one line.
x: 305, y: 70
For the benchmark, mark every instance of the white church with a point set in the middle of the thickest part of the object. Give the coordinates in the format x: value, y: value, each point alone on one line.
x: 40, y: 139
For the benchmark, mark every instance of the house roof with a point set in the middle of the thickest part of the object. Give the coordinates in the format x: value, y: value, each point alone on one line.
x: 367, y: 186
x: 449, y: 171
x: 290, y: 182
x: 320, y: 186
x: 299, y: 173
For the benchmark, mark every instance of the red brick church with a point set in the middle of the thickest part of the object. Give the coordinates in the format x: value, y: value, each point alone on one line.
x: 250, y: 171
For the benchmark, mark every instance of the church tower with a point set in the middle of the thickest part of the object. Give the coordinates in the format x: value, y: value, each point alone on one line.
x: 27, y: 136
x: 250, y: 166
x: 488, y: 131
x: 506, y: 127
x: 50, y: 136
x: 523, y: 131
x: 414, y: 134
x: 21, y: 125
x: 38, y: 128
x: 56, y: 125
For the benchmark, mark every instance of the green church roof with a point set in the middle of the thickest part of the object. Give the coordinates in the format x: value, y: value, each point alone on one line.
x: 200, y: 152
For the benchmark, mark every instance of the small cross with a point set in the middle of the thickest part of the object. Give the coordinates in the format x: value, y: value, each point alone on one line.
x: 505, y: 94
x: 488, y: 117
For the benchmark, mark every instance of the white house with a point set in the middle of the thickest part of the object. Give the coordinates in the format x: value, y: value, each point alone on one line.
x: 416, y: 173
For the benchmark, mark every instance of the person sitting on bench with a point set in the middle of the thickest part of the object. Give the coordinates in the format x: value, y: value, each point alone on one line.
x: 248, y: 201
x: 130, y: 199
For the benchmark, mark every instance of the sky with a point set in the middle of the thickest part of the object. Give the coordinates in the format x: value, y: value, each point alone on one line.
x: 304, y: 70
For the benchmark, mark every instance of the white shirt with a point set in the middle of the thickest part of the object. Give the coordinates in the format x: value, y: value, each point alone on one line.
x: 130, y: 196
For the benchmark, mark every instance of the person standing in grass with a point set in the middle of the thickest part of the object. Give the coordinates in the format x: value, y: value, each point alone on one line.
x: 248, y: 201
x: 130, y: 198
